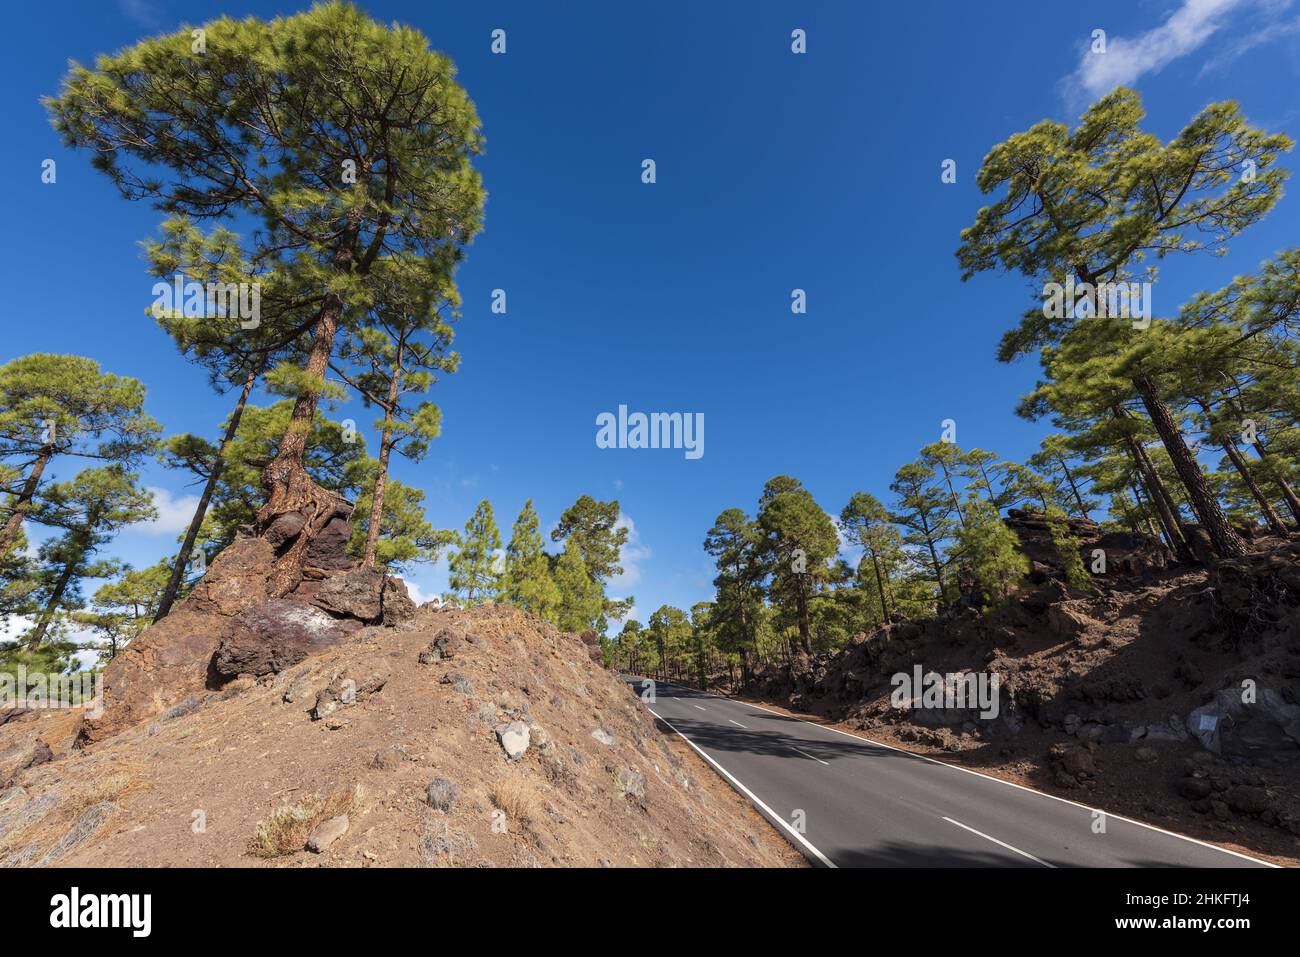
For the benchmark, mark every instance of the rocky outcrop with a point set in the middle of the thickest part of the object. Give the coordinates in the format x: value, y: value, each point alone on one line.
x: 233, y: 624
x: 170, y: 661
x: 277, y: 635
x: 1127, y: 554
x: 365, y: 594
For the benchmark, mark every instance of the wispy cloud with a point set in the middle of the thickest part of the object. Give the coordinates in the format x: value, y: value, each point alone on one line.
x: 633, y: 552
x: 174, y: 513
x: 1127, y: 59
x: 143, y: 12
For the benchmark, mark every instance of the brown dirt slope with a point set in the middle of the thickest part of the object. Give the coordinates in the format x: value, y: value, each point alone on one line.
x: 398, y: 729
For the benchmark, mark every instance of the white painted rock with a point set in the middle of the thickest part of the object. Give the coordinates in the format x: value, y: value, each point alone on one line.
x: 514, y: 738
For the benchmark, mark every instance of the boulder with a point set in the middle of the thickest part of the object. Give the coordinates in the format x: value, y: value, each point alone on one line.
x: 326, y: 833
x: 1067, y: 621
x: 329, y: 549
x: 285, y: 528
x: 592, y: 643
x: 365, y: 594
x: 1265, y: 732
x: 513, y: 736
x: 446, y: 644
x: 277, y: 635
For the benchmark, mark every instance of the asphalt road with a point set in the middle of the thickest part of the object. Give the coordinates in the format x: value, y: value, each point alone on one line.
x: 849, y: 802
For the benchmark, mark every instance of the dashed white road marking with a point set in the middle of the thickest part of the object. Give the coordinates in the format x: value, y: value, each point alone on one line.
x: 999, y: 843
x: 702, y: 709
x: 1012, y: 784
x: 807, y: 755
x: 737, y: 723
x: 751, y: 795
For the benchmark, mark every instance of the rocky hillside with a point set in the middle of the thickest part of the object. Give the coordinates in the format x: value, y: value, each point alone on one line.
x: 1168, y: 693
x: 340, y: 726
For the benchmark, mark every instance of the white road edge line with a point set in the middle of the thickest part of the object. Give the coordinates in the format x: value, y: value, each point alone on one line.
x: 747, y: 792
x: 999, y: 843
x: 702, y: 709
x: 1010, y: 784
x: 737, y: 723
x: 807, y: 755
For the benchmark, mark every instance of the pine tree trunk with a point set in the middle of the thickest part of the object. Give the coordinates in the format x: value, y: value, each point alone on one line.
x: 1069, y: 477
x: 24, y: 501
x: 880, y: 586
x: 51, y: 606
x: 381, y: 477
x: 285, y: 479
x: 1223, y: 537
x: 805, y: 632
x: 1158, y: 496
x: 1265, y: 506
x: 196, y: 522
x: 1267, y: 458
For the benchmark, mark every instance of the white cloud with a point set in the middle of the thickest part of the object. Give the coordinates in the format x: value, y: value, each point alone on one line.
x: 1127, y: 59
x: 633, y: 552
x: 1242, y: 45
x: 14, y: 626
x: 417, y: 594
x: 174, y: 513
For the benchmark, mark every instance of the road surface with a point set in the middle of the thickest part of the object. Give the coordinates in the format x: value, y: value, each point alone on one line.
x: 849, y: 802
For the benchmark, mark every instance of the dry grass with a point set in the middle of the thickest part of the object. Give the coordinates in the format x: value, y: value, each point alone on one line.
x: 289, y: 826
x: 516, y: 796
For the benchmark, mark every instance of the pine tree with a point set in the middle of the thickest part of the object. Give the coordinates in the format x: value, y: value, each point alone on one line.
x: 1095, y: 205
x: 349, y: 141
x: 736, y: 544
x: 799, y: 543
x: 125, y: 607
x: 59, y: 405
x: 990, y: 552
x: 527, y: 582
x: 398, y: 356
x: 866, y: 523
x: 581, y: 600
x: 404, y: 536
x: 925, y: 515
x: 600, y: 535
x: 88, y: 510
x: 475, y: 566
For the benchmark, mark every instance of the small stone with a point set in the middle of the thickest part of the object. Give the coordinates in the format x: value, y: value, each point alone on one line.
x: 603, y: 736
x: 327, y: 833
x: 513, y: 736
x: 1146, y: 755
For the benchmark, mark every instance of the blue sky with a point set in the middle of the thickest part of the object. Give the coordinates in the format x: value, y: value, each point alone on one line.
x: 775, y: 171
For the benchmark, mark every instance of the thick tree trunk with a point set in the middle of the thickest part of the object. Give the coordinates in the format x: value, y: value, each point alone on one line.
x: 1223, y: 537
x: 192, y: 533
x: 24, y: 500
x: 285, y: 479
